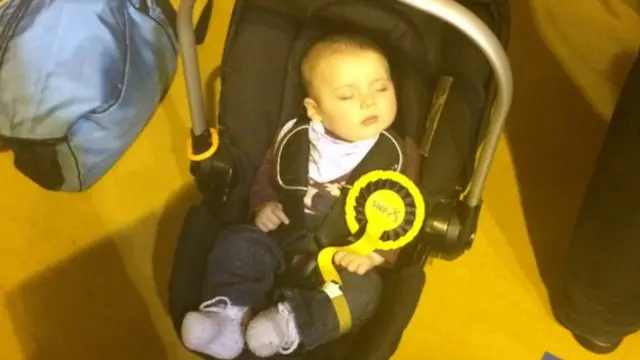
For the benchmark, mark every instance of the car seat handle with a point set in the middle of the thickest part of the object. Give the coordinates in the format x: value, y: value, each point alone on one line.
x: 473, y: 27
x: 188, y: 49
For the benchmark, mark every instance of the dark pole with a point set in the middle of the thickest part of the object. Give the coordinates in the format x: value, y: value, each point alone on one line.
x: 601, y: 290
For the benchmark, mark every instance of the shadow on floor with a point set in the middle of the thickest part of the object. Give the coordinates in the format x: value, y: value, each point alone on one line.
x: 169, y: 228
x: 86, y: 307
x: 554, y: 136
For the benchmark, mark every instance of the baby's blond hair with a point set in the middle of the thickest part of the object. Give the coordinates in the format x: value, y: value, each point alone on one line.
x: 330, y: 45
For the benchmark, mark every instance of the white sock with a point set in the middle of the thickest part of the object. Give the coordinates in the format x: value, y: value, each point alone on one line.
x: 273, y: 331
x: 216, y: 330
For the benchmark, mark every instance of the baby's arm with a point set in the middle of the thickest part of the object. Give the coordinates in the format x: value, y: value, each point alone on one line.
x: 358, y: 264
x: 263, y: 191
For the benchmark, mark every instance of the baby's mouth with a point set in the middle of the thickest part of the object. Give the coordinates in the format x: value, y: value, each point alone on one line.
x: 370, y: 120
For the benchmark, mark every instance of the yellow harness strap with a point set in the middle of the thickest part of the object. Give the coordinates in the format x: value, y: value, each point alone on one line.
x: 333, y: 281
x: 340, y: 305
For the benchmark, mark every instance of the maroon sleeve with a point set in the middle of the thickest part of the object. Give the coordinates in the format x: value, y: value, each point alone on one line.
x: 390, y: 256
x: 263, y: 190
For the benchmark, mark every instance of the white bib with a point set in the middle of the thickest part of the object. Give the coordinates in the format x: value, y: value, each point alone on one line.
x: 330, y: 158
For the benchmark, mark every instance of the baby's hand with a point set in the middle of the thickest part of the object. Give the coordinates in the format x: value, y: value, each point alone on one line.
x: 270, y: 216
x: 359, y: 264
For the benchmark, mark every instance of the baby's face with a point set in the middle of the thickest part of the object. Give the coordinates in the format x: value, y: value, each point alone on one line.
x: 353, y: 95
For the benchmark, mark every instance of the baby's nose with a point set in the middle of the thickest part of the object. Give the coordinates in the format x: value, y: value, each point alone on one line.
x: 367, y: 101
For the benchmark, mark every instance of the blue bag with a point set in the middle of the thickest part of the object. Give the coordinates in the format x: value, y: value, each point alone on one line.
x: 79, y: 79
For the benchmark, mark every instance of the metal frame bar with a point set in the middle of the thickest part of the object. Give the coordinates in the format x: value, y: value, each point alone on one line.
x: 469, y: 24
x: 191, y: 67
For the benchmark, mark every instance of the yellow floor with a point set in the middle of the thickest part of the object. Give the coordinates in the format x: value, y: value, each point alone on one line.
x: 84, y: 276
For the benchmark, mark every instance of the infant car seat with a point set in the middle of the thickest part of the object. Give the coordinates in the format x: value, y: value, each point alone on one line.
x: 448, y: 104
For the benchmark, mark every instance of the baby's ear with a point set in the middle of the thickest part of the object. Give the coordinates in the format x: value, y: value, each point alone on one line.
x: 312, y: 109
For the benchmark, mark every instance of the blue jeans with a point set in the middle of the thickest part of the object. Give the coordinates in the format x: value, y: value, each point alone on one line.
x: 244, y: 265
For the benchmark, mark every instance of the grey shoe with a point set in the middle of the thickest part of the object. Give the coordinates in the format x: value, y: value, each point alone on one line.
x: 216, y: 330
x: 273, y: 331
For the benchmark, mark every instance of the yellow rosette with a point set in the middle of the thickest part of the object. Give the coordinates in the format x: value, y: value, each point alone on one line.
x: 384, y: 211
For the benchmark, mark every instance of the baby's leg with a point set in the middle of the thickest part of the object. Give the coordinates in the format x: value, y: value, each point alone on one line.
x: 308, y: 318
x: 242, y: 267
x: 240, y: 273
